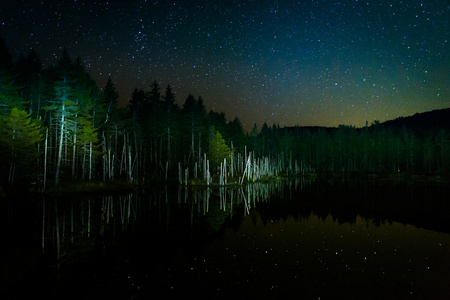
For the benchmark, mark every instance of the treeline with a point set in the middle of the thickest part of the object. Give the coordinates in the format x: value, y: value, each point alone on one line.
x: 374, y: 149
x: 57, y: 125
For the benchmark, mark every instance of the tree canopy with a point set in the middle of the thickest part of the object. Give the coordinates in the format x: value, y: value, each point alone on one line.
x: 218, y: 150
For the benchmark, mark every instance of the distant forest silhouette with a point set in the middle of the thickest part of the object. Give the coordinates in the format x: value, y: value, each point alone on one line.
x: 57, y: 125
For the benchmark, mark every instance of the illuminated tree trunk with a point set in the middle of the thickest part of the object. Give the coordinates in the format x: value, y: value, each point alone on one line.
x: 74, y: 148
x: 168, y: 147
x: 60, y: 146
x: 45, y: 158
x: 90, y: 160
x: 104, y: 156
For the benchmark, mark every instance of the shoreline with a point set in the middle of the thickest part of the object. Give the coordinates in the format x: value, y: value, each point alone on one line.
x: 119, y: 186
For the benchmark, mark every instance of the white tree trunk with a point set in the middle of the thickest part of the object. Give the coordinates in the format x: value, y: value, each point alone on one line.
x: 45, y: 158
x: 90, y: 160
x: 61, y: 138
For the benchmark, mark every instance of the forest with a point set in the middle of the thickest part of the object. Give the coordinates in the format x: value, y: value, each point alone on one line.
x: 58, y: 126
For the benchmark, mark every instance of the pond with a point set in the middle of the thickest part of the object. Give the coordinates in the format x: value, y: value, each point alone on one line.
x: 309, y: 239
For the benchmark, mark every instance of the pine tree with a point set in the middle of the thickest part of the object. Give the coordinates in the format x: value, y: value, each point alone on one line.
x: 28, y: 71
x: 65, y: 111
x: 236, y: 133
x: 153, y: 98
x: 110, y: 99
x: 19, y: 136
x: 195, y: 120
x: 218, y: 150
x: 135, y: 106
x: 90, y: 147
x: 169, y: 100
x: 216, y: 122
x: 170, y: 123
x: 9, y: 92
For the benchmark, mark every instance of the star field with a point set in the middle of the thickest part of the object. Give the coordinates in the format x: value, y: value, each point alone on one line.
x: 286, y: 62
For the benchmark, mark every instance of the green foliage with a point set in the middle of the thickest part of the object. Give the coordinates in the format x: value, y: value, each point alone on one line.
x: 9, y: 92
x: 88, y: 137
x: 19, y: 135
x: 28, y: 71
x: 88, y: 134
x: 218, y: 150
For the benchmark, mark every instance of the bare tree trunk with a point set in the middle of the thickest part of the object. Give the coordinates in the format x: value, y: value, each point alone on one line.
x: 61, y: 138
x: 83, y: 167
x: 73, y: 155
x: 168, y: 146
x: 208, y: 175
x: 112, y: 169
x: 179, y: 174
x: 45, y: 158
x: 192, y: 143
x: 130, y: 177
x: 104, y: 156
x: 90, y: 160
x: 12, y: 170
x: 167, y: 168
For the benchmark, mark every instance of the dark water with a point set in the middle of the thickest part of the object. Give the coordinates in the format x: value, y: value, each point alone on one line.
x: 309, y: 240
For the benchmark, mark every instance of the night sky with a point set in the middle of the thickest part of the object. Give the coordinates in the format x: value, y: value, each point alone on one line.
x: 291, y: 63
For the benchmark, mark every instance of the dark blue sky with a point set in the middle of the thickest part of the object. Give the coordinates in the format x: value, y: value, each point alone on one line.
x: 286, y: 62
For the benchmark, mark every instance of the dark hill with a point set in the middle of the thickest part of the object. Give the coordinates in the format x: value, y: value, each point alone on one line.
x: 431, y: 119
x: 427, y: 120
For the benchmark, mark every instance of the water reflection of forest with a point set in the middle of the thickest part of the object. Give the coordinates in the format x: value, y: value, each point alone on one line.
x: 345, y: 202
x: 320, y: 257
x: 350, y: 234
x: 75, y: 234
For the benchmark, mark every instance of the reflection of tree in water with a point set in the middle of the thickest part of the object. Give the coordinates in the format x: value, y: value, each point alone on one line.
x: 217, y: 218
x: 75, y: 228
x: 165, y: 227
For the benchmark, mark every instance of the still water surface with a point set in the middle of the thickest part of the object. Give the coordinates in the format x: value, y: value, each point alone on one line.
x: 311, y: 240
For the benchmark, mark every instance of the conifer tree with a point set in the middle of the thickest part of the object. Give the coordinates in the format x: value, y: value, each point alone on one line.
x: 9, y: 92
x: 169, y: 100
x: 110, y: 99
x: 135, y: 106
x: 28, y: 71
x: 195, y: 120
x: 236, y: 133
x: 90, y: 147
x: 216, y: 122
x: 171, y: 122
x: 153, y: 98
x: 19, y: 135
x: 152, y: 119
x: 218, y: 150
x: 65, y: 111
